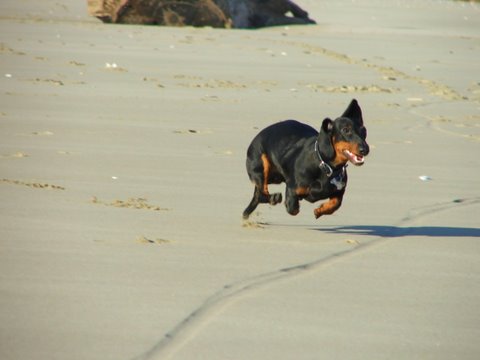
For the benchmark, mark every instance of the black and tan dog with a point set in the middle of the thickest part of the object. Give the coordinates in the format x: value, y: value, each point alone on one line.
x: 312, y: 164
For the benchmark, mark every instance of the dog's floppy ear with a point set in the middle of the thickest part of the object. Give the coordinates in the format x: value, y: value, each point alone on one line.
x: 325, y: 145
x: 354, y: 112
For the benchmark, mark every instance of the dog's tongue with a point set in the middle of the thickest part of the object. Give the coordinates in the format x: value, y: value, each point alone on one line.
x: 354, y: 159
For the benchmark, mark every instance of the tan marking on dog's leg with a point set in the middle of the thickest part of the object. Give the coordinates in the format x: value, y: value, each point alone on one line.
x: 302, y: 191
x: 329, y: 207
x: 266, y: 173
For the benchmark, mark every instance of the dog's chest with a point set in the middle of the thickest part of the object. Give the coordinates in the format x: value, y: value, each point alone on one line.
x: 323, y: 186
x: 339, y: 180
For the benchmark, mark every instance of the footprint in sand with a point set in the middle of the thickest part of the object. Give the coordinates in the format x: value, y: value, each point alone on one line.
x: 17, y: 155
x: 35, y: 185
x: 42, y: 133
x: 193, y: 131
x: 144, y: 240
x: 131, y: 203
x: 55, y: 82
x: 351, y: 89
x: 252, y: 225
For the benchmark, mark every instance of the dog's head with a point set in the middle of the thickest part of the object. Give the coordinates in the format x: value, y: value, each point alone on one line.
x: 344, y: 139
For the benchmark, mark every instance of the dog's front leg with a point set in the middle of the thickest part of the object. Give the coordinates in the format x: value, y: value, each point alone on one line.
x: 292, y: 202
x: 329, y: 207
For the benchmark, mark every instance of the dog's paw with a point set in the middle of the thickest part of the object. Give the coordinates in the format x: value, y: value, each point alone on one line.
x: 317, y: 213
x: 275, y: 199
x: 294, y: 211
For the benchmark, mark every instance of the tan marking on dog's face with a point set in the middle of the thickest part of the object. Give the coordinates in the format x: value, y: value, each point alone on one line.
x: 340, y: 146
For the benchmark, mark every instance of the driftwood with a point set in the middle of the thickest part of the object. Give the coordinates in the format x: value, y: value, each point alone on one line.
x: 242, y: 14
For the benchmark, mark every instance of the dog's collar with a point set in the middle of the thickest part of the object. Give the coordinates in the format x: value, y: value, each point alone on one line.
x: 324, y: 166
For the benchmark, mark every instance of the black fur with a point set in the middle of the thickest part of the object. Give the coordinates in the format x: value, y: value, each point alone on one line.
x: 312, y: 164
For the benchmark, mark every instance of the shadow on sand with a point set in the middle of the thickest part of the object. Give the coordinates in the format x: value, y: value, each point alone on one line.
x: 395, y: 231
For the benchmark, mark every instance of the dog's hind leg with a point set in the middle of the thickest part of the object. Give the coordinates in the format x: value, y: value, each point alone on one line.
x: 260, y: 198
x: 259, y: 172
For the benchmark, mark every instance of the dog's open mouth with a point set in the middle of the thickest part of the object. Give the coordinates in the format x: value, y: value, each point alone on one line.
x: 353, y: 158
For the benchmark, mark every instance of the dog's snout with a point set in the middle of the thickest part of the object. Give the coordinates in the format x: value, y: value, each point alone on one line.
x: 364, y: 149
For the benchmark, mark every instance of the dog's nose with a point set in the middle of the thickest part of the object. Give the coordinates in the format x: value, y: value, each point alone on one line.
x: 364, y: 149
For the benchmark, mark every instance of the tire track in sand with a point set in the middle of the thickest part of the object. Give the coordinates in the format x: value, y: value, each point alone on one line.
x: 187, y: 328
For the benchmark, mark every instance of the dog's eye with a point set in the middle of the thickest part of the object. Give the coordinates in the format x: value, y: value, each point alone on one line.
x: 347, y: 131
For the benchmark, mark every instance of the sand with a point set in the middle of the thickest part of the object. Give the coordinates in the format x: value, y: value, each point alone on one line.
x: 122, y: 184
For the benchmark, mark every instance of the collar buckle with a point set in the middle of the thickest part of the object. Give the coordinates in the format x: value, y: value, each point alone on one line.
x: 326, y: 168
x: 323, y: 165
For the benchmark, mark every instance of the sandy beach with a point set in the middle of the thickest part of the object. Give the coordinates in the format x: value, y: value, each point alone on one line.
x: 122, y: 185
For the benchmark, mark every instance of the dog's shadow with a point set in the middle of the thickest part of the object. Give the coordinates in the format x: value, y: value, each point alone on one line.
x: 395, y: 231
